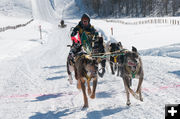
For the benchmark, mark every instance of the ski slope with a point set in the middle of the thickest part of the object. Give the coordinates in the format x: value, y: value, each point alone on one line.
x: 33, y: 77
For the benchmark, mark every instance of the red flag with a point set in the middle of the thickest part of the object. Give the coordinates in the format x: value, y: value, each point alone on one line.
x: 76, y: 38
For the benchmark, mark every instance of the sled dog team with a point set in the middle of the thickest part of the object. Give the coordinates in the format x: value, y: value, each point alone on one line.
x: 86, y: 55
x: 128, y: 65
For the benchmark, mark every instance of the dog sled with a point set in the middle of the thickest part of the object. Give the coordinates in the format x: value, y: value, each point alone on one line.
x: 91, y: 45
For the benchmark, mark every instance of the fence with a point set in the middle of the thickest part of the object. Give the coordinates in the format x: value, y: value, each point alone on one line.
x: 149, y: 21
x: 15, y: 27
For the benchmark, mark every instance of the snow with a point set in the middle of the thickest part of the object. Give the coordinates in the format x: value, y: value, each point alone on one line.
x: 16, y: 8
x: 39, y: 7
x: 15, y: 42
x: 33, y: 77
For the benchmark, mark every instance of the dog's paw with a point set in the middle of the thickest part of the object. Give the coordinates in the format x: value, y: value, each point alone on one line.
x: 84, y: 107
x: 128, y: 103
x: 141, y: 99
x: 92, y: 96
x: 70, y: 81
x: 137, y: 92
x: 137, y: 97
x: 100, y: 74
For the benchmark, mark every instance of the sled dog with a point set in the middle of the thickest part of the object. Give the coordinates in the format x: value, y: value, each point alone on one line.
x: 99, y: 49
x: 113, y: 48
x: 132, y: 68
x: 86, y: 69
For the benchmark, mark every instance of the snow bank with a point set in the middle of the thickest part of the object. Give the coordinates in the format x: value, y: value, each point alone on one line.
x: 165, y: 51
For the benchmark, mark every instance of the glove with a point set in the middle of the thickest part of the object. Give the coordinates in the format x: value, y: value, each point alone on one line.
x: 73, y: 33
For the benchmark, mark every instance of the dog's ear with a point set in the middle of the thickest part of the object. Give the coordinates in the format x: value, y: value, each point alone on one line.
x: 134, y: 49
x: 113, y: 44
x: 110, y: 44
x: 119, y: 44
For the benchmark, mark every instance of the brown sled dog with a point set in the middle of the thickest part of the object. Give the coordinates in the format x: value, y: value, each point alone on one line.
x: 85, y: 70
x: 132, y: 68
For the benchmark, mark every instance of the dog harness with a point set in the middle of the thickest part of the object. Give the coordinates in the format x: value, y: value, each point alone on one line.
x: 88, y: 77
x: 115, y: 59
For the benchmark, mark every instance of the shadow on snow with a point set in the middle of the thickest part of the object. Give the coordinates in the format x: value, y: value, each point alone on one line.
x: 175, y: 72
x: 104, y: 113
x: 56, y: 78
x: 54, y: 67
x: 103, y: 95
x: 51, y: 114
x: 48, y: 96
x: 57, y: 72
x: 66, y: 112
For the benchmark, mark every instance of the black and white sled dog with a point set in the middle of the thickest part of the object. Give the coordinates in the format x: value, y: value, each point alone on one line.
x: 99, y: 49
x: 113, y: 48
x: 75, y: 49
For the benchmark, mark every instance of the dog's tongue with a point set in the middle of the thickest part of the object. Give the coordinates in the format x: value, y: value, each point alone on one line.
x: 131, y: 64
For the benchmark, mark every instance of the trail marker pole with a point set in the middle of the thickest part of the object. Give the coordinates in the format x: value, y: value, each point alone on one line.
x: 112, y: 31
x: 40, y: 31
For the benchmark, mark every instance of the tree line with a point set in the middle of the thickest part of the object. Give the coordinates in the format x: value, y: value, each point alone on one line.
x: 131, y: 8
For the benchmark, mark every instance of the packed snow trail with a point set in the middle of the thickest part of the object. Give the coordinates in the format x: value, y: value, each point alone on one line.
x: 43, y: 10
x: 25, y: 74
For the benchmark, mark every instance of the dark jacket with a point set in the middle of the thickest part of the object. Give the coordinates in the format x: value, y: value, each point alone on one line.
x: 89, y: 30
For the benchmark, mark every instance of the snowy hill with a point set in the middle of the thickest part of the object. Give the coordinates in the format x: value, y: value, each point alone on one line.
x: 33, y: 77
x: 17, y: 8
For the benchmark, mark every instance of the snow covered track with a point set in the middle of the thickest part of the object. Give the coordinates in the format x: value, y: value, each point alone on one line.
x: 43, y: 10
x: 145, y: 89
